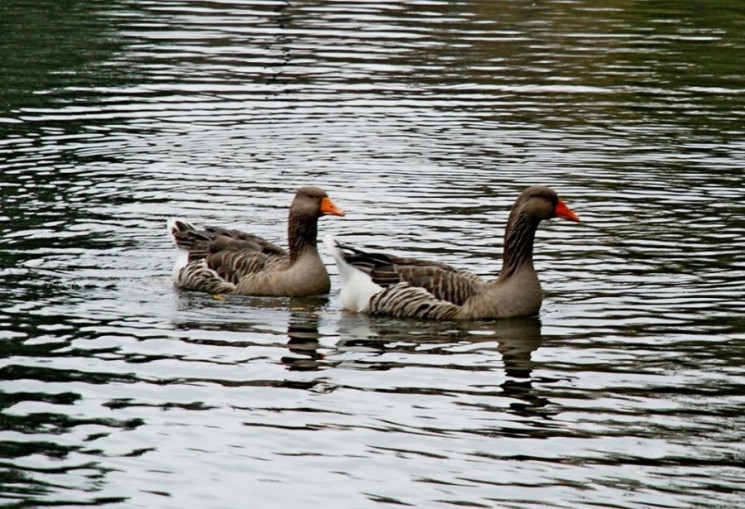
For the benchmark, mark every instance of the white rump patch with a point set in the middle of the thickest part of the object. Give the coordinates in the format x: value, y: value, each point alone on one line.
x: 182, y: 255
x: 356, y: 287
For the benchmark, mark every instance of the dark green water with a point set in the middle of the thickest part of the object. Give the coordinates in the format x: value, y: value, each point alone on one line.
x: 423, y: 120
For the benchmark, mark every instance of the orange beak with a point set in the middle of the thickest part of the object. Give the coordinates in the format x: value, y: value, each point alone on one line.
x: 565, y: 212
x: 328, y: 208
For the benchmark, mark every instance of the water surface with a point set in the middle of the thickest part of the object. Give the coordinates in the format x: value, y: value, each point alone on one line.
x: 423, y: 120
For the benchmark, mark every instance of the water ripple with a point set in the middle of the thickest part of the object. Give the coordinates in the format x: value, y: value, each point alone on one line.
x: 423, y: 121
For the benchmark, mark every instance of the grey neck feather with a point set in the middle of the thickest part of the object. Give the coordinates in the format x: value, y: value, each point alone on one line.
x: 302, y: 233
x: 518, y: 242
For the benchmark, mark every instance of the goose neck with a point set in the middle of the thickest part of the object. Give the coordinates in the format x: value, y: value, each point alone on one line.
x: 302, y: 233
x: 518, y: 242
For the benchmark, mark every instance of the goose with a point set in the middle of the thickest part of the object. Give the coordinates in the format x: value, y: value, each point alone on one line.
x: 381, y: 284
x: 221, y: 261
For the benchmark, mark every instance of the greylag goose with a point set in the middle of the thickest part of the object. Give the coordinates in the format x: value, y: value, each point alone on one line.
x: 217, y: 260
x: 380, y: 284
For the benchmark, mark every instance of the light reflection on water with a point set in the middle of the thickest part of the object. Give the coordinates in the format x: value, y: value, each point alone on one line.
x: 423, y: 121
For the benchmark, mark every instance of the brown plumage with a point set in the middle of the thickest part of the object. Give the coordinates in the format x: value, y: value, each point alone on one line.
x: 218, y: 260
x: 406, y: 287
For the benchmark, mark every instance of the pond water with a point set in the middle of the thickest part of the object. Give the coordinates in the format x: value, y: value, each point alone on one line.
x: 423, y: 120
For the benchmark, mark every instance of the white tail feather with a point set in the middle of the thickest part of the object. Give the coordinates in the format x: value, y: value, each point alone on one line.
x: 182, y: 256
x: 176, y: 224
x: 356, y: 287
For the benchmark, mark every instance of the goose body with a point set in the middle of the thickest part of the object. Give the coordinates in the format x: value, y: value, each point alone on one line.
x: 380, y: 284
x: 219, y: 260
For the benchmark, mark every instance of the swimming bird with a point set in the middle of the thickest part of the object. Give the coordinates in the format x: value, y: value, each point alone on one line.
x: 382, y: 284
x: 222, y: 261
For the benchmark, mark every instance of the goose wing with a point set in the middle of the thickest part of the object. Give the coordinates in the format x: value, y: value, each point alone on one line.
x: 442, y: 281
x: 201, y: 243
x: 218, y: 258
x: 233, y: 258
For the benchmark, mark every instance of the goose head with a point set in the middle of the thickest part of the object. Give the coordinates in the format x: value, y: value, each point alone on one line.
x: 312, y: 203
x: 539, y: 203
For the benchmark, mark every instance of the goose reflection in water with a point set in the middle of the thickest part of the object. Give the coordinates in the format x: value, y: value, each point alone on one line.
x: 516, y: 340
x: 303, y: 342
x: 364, y: 342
